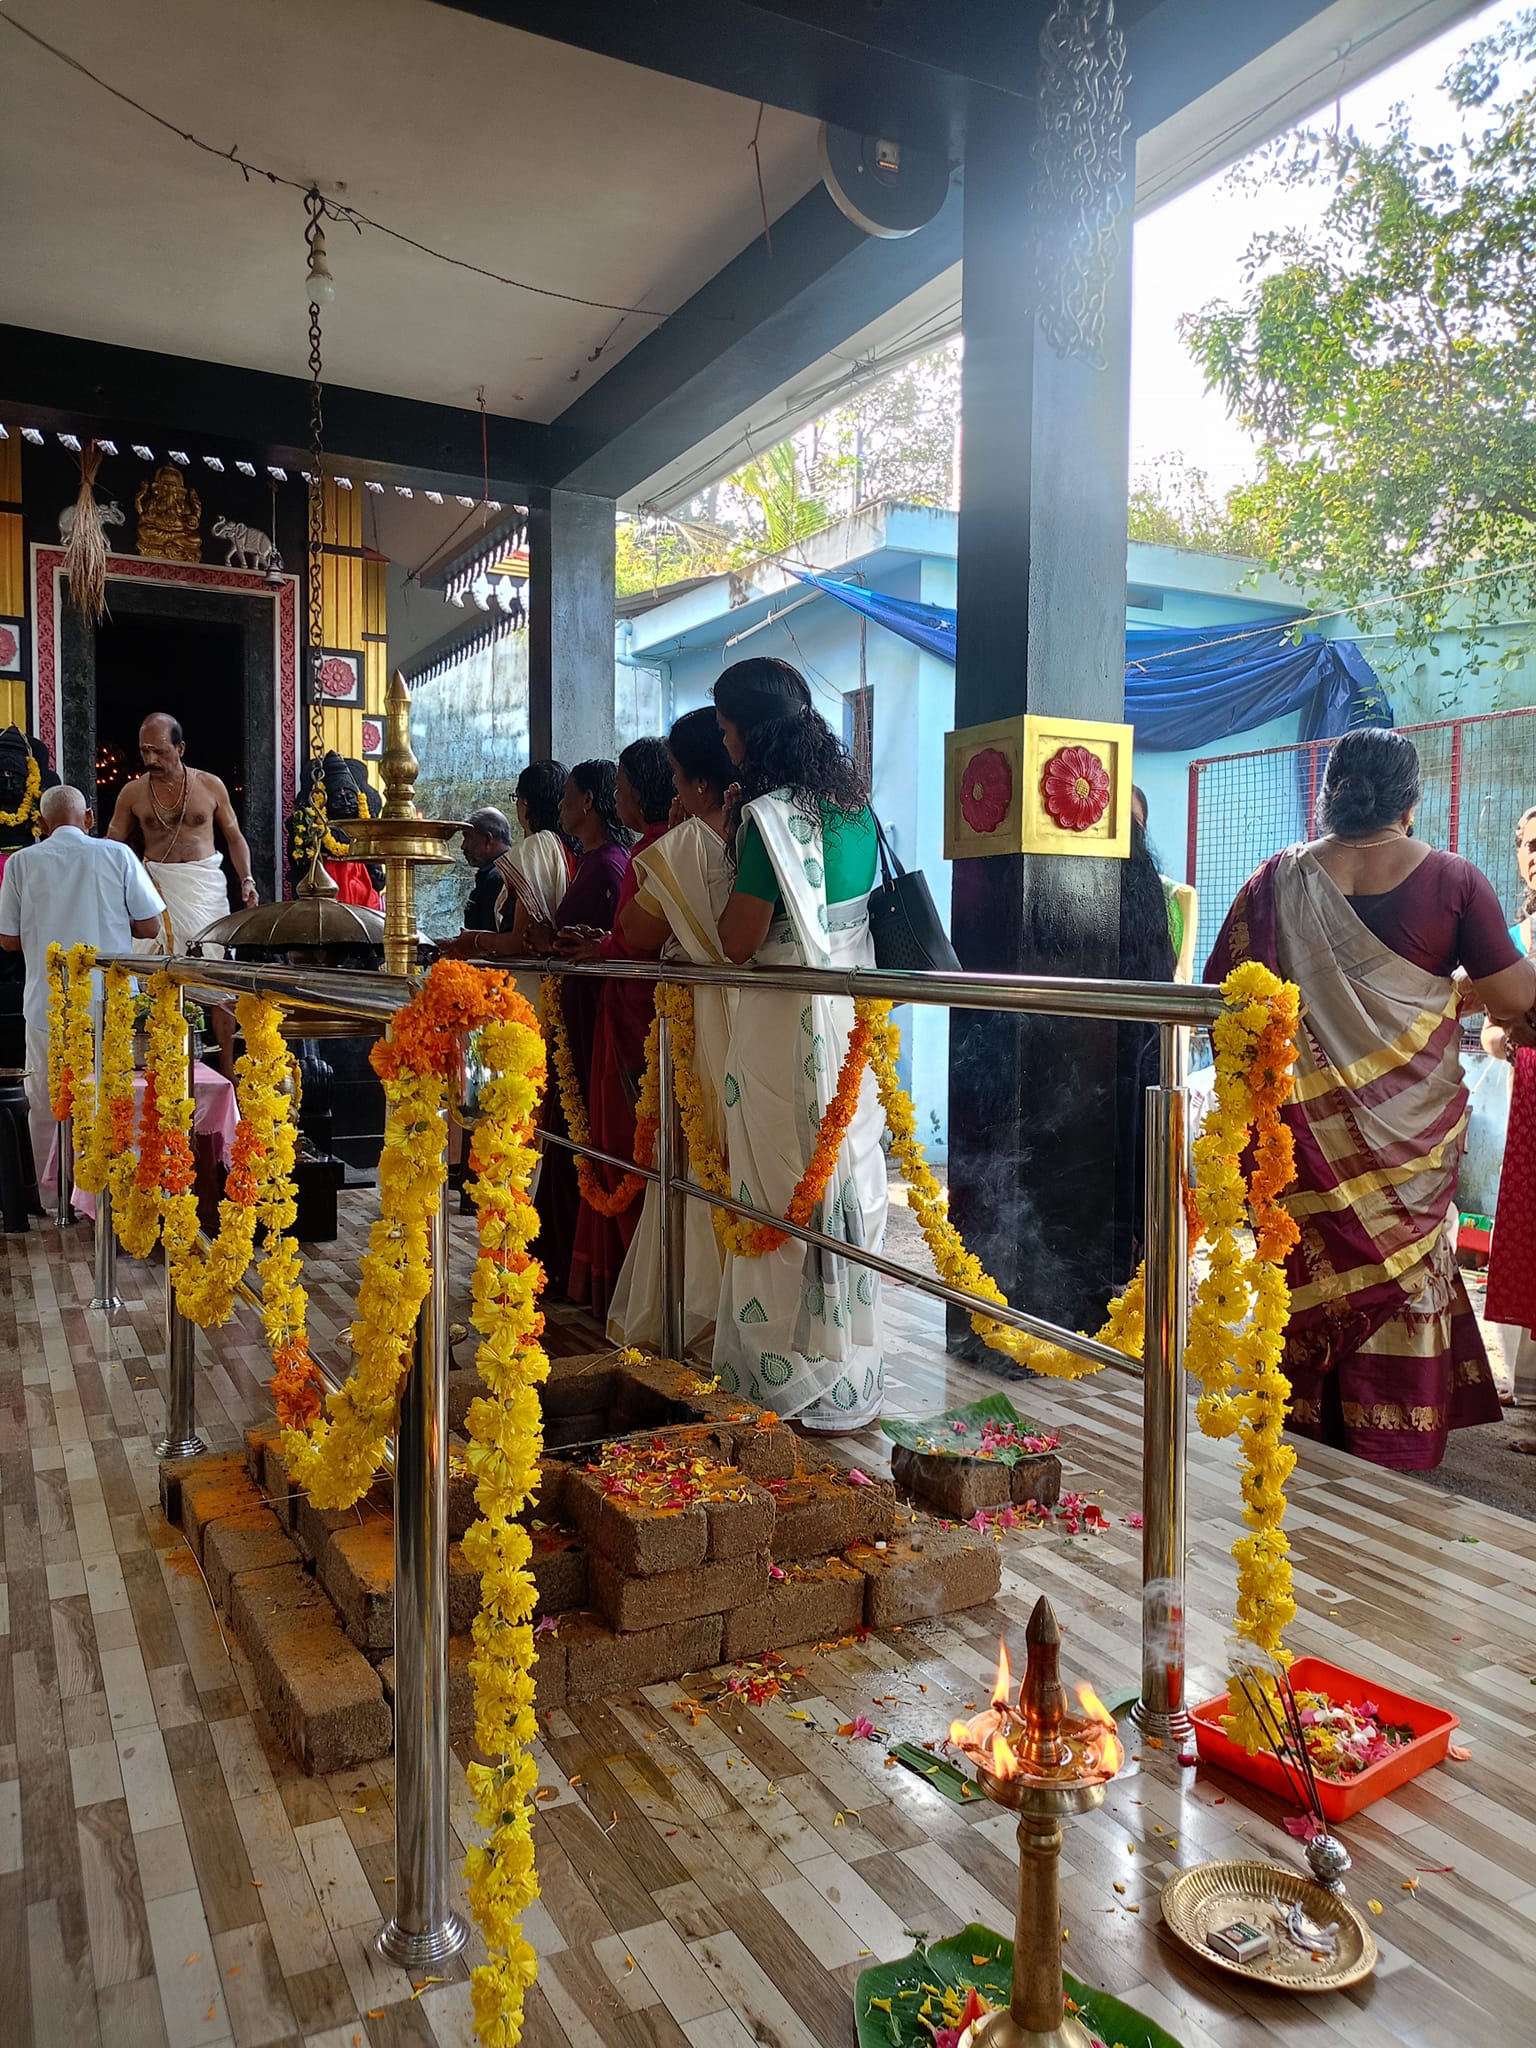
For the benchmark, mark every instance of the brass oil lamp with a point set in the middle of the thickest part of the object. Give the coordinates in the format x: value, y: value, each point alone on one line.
x: 1044, y: 1762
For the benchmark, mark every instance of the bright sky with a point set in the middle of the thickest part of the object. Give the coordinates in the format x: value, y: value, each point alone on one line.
x: 1190, y: 252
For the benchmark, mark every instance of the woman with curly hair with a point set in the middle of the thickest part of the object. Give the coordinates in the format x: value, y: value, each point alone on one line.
x: 643, y: 799
x: 798, y: 1328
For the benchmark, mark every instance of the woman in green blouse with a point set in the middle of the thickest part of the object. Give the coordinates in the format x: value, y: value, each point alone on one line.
x: 799, y: 1328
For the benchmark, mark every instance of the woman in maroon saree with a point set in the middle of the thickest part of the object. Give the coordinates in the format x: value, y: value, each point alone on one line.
x: 589, y: 816
x: 611, y: 1076
x: 1383, y: 1353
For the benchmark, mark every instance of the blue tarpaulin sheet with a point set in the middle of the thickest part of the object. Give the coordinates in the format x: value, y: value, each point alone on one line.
x: 1186, y: 686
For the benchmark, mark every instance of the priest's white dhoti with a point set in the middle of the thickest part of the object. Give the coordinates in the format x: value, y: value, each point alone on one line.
x: 195, y: 895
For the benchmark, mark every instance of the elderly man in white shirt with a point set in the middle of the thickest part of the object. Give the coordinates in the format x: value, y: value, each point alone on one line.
x: 82, y: 892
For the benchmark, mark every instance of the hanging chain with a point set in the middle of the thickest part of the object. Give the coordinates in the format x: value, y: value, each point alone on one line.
x: 315, y: 207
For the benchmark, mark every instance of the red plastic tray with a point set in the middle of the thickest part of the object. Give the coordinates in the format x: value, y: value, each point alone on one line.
x: 1432, y: 1728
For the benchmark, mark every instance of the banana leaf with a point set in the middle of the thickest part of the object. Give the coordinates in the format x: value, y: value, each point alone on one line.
x: 976, y: 1956
x: 936, y: 1435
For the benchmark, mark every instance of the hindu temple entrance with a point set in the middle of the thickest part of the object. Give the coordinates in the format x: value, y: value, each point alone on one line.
x: 189, y: 667
x: 205, y: 655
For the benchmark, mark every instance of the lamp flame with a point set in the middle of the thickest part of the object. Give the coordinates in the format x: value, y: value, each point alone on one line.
x: 1111, y: 1751
x: 1004, y: 1762
x: 1002, y: 1685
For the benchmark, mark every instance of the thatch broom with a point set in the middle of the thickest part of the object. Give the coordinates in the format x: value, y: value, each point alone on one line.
x: 85, y: 551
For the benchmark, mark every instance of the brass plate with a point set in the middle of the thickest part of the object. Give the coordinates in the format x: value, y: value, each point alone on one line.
x: 1212, y: 1895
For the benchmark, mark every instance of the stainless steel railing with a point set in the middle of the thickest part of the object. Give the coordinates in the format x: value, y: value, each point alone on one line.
x: 425, y: 1926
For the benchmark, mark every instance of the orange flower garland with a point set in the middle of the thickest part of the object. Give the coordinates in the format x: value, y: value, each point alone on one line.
x: 761, y: 1238
x: 607, y: 1202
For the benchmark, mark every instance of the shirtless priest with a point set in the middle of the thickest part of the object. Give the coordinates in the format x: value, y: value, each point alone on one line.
x: 174, y: 809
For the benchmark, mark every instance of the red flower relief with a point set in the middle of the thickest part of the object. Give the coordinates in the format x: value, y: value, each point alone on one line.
x: 986, y: 790
x: 10, y: 646
x: 338, y: 678
x: 1075, y: 786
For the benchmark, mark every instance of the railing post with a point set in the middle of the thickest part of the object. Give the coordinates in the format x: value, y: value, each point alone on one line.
x: 673, y: 1213
x: 106, y: 1298
x: 425, y: 1929
x: 1160, y: 1710
x: 181, y: 1439
x: 64, y: 1159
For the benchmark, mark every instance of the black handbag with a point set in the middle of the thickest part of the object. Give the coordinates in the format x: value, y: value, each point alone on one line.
x: 904, y: 923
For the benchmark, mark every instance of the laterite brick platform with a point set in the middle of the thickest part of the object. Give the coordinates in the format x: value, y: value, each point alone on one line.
x: 685, y: 1531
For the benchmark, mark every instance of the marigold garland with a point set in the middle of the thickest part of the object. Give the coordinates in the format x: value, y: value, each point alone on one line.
x: 105, y: 1156
x: 258, y: 1180
x: 741, y: 1238
x: 506, y: 1436
x: 71, y: 1049
x: 28, y: 806
x: 1237, y: 1324
x: 606, y: 1201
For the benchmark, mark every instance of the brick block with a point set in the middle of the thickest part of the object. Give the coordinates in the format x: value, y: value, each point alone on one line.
x: 314, y: 1527
x: 559, y: 1568
x: 741, y: 1523
x: 321, y: 1694
x: 814, y: 1516
x: 931, y: 1571
x: 601, y: 1663
x: 578, y: 1386
x: 357, y: 1569
x: 199, y: 1491
x: 463, y: 1591
x: 461, y: 1688
x: 547, y: 1502
x: 766, y: 1450
x: 1037, y: 1479
x: 635, y: 1539
x: 812, y: 1603
x: 874, y: 1511
x: 461, y: 1504
x: 279, y: 1485
x: 953, y: 1487
x: 257, y: 1438
x: 252, y: 1540
x: 661, y: 1597
x: 464, y: 1385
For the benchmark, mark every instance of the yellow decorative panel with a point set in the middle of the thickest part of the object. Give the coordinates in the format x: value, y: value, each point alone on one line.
x: 13, y: 701
x: 348, y: 606
x: 1038, y: 785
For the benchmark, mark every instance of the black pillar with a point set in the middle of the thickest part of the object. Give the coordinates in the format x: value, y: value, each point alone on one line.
x: 570, y: 627
x: 1041, y: 601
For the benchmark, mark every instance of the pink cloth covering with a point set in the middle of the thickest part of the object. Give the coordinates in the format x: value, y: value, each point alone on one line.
x: 214, y: 1115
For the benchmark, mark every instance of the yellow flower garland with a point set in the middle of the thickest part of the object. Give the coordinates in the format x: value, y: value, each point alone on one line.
x: 506, y: 1436
x: 71, y: 1049
x: 737, y: 1236
x: 110, y: 1137
x: 1239, y: 1368
x: 260, y: 1170
x: 28, y: 806
x: 606, y: 1201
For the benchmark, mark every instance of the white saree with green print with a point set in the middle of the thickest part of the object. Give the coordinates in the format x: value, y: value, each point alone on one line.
x: 799, y: 1329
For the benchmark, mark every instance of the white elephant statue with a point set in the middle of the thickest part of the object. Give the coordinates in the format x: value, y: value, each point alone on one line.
x: 249, y: 547
x: 108, y: 514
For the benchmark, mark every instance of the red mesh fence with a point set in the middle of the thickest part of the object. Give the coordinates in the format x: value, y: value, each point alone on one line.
x: 1479, y: 775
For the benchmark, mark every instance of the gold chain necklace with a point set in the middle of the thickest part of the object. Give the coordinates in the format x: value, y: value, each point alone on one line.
x: 181, y: 809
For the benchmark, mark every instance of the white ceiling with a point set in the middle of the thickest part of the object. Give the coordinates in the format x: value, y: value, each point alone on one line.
x: 571, y: 171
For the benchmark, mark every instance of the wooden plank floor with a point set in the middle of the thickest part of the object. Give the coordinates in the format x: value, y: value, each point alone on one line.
x: 168, y: 1879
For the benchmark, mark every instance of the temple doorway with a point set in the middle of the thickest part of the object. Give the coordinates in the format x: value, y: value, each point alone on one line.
x: 207, y: 651
x: 192, y: 668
